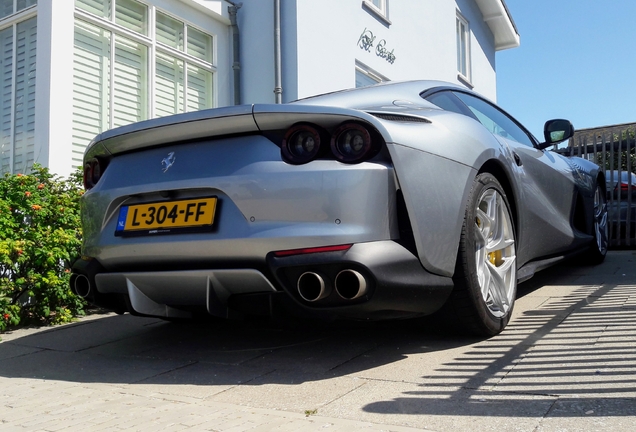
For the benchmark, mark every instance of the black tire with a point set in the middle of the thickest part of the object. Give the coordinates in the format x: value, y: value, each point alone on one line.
x: 600, y: 228
x: 486, y: 270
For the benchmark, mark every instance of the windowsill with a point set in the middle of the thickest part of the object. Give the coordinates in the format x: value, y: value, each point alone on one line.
x: 375, y: 12
x: 462, y: 79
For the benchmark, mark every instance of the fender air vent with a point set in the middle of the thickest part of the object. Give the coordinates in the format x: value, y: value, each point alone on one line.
x: 400, y: 118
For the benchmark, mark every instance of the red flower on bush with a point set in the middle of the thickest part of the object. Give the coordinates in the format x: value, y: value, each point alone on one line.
x: 36, y: 247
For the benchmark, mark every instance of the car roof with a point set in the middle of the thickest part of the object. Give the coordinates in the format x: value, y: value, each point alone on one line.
x: 379, y: 94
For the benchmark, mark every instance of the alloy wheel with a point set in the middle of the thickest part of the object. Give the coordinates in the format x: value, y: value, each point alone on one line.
x: 600, y: 220
x: 495, y: 253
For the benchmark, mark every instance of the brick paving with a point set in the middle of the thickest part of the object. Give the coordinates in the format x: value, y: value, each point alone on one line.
x: 567, y: 362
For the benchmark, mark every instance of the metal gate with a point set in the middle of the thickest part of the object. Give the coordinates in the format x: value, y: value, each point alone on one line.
x: 614, y: 150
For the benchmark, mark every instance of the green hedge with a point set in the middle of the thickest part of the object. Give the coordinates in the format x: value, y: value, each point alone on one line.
x: 40, y: 237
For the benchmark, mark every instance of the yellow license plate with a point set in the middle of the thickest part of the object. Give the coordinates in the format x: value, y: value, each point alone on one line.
x: 166, y: 216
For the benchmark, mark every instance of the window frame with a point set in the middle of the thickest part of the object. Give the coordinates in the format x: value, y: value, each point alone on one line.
x: 369, y: 73
x: 381, y: 11
x: 16, y: 13
x: 11, y: 23
x: 464, y: 61
x: 201, y: 68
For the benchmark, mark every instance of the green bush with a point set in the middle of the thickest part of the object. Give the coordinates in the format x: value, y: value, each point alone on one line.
x: 40, y: 237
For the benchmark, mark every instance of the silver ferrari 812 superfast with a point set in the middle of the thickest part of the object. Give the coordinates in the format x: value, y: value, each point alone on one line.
x: 391, y: 201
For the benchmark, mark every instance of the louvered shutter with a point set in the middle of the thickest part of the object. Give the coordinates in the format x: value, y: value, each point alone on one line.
x: 98, y: 7
x: 6, y: 99
x: 199, y: 44
x: 91, y: 85
x: 23, y: 4
x: 24, y: 103
x: 199, y: 88
x: 168, y: 85
x: 6, y: 8
x: 129, y: 95
x: 132, y: 15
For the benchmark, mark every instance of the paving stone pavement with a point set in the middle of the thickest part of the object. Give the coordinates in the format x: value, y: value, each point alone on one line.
x: 566, y: 362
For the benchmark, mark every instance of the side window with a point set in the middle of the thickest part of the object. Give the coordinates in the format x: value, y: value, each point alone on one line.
x: 462, y: 29
x: 446, y: 100
x: 495, y: 120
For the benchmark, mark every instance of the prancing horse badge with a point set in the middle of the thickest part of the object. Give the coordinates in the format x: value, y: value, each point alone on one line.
x: 167, y: 162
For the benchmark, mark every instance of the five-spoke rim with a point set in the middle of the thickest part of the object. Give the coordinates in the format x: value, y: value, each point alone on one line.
x: 495, y: 253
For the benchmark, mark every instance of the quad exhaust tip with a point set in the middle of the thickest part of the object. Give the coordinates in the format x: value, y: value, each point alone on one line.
x: 350, y: 284
x: 311, y: 287
x: 82, y: 286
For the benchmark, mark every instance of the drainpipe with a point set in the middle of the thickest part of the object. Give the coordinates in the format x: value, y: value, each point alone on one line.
x: 236, y: 65
x: 278, y: 80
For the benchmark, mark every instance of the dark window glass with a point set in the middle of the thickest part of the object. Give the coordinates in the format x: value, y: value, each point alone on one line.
x: 449, y: 102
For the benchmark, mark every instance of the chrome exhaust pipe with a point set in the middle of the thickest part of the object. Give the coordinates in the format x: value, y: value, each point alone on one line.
x: 82, y: 286
x: 311, y: 287
x: 350, y: 284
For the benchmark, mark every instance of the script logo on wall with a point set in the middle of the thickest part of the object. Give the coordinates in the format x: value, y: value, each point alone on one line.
x: 366, y: 40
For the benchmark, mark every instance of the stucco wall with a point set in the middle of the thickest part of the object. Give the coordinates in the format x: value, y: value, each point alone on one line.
x: 320, y: 45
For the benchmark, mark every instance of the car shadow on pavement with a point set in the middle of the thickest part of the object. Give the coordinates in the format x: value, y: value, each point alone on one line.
x: 570, y: 349
x: 128, y: 350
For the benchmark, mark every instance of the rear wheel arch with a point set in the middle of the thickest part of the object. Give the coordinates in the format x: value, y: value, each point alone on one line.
x: 485, y: 274
x: 600, y: 229
x: 496, y: 169
x: 600, y: 182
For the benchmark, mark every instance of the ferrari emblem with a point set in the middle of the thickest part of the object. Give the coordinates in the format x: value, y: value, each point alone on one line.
x: 168, y: 161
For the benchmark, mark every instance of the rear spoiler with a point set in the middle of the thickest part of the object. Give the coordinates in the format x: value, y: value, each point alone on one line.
x: 242, y: 119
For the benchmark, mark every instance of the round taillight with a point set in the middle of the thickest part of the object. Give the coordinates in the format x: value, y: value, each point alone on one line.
x: 351, y: 143
x: 97, y: 172
x: 92, y: 173
x: 88, y: 176
x: 301, y: 144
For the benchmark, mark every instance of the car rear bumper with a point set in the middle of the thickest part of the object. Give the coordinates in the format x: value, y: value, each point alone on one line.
x: 373, y: 280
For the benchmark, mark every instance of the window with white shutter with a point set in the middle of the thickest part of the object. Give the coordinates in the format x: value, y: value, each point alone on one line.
x: 9, y: 7
x: 91, y: 85
x: 24, y: 101
x: 134, y: 62
x: 130, y: 83
x: 198, y: 95
x: 6, y: 99
x: 168, y: 85
x: 17, y: 78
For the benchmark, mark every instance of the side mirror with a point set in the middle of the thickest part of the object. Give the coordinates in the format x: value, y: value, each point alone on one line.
x: 556, y: 131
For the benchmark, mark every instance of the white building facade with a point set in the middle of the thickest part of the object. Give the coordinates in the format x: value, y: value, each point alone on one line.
x: 73, y: 68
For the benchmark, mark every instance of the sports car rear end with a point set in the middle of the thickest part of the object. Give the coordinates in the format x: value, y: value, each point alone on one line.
x: 250, y: 210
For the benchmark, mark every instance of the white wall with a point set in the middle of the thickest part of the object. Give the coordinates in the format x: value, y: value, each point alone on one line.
x: 482, y: 42
x: 54, y: 86
x: 320, y: 45
x: 256, y: 27
x: 319, y: 51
